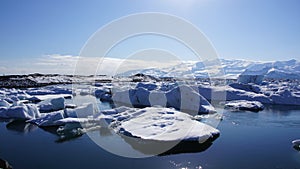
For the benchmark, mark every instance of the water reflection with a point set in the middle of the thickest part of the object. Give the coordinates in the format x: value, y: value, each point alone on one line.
x: 21, y: 126
x: 283, y: 110
x: 66, y: 135
x: 103, y: 131
x: 149, y: 147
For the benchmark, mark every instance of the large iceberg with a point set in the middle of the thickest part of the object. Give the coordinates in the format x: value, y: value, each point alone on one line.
x: 181, y: 97
x: 163, y: 124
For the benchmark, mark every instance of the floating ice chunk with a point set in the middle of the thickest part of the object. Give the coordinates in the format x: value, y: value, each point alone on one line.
x: 48, y: 119
x: 244, y: 105
x: 45, y: 107
x: 58, y: 103
x: 248, y: 78
x: 52, y: 104
x: 24, y: 112
x: 164, y: 124
x: 187, y: 99
x: 82, y: 111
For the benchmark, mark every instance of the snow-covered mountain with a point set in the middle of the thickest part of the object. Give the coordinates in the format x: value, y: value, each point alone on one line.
x: 229, y: 68
x: 276, y: 70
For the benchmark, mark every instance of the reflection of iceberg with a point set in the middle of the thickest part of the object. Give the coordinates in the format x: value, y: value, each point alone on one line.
x: 20, y: 126
x: 170, y: 147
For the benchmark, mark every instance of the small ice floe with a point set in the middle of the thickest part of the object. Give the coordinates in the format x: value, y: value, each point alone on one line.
x: 296, y: 144
x: 240, y: 105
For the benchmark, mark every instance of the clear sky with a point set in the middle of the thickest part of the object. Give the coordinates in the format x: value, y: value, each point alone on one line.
x: 31, y: 30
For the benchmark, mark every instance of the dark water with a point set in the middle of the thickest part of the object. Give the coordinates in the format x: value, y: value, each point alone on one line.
x: 247, y: 141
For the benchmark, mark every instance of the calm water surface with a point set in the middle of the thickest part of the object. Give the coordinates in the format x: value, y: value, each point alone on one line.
x: 247, y: 141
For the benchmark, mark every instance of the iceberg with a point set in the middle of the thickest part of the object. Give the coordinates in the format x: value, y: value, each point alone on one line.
x: 181, y: 97
x: 81, y: 111
x: 48, y: 119
x: 21, y: 112
x: 52, y: 104
x: 239, y: 105
x: 163, y: 124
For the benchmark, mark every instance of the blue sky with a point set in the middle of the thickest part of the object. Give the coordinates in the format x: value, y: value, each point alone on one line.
x: 239, y: 29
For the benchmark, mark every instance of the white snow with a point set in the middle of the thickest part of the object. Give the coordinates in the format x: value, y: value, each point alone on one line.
x: 238, y: 105
x: 163, y: 124
x: 275, y: 70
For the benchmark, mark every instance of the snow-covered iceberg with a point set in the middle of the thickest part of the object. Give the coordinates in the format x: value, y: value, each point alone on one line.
x: 239, y: 105
x: 163, y: 124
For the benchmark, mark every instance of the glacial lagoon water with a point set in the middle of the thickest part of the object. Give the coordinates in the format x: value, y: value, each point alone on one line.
x: 247, y: 141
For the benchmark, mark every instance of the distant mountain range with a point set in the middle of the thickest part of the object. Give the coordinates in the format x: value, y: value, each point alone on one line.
x: 229, y: 68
